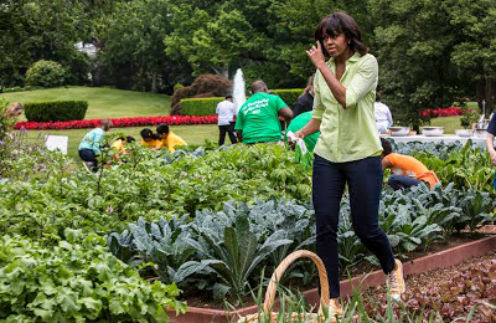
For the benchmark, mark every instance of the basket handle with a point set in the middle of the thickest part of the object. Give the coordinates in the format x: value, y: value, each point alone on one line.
x: 270, y: 294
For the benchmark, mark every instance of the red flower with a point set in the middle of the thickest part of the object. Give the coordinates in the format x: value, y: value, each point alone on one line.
x: 441, y: 112
x: 118, y: 122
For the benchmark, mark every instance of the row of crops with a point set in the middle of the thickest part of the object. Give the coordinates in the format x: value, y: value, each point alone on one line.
x: 78, y: 247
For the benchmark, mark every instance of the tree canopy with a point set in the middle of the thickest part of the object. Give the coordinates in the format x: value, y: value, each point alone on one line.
x: 430, y: 52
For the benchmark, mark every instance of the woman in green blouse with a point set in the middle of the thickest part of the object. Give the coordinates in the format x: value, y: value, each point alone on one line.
x: 348, y: 149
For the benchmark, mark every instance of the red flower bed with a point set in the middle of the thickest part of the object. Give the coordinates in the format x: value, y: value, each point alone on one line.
x: 441, y: 112
x: 118, y: 122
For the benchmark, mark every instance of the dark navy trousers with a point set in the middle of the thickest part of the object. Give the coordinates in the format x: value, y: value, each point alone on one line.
x: 364, y: 179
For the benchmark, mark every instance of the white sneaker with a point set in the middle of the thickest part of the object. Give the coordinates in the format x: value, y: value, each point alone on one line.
x: 335, y: 308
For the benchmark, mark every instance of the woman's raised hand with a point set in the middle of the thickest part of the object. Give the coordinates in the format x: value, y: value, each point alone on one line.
x: 316, y: 55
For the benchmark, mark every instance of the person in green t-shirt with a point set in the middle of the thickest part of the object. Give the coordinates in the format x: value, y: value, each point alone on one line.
x: 258, y: 117
x: 298, y: 123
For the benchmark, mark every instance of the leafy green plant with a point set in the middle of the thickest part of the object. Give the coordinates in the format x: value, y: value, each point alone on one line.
x: 174, y: 245
x: 470, y: 295
x: 466, y: 168
x: 145, y: 185
x: 477, y: 209
x: 233, y: 254
x: 468, y: 118
x: 76, y: 281
x: 162, y: 242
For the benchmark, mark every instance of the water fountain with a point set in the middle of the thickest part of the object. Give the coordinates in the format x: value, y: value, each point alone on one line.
x: 239, y: 90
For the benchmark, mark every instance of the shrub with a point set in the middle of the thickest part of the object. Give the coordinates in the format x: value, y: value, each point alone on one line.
x: 46, y: 74
x: 55, y: 110
x: 177, y: 86
x: 206, y: 106
x: 200, y: 106
x: 288, y: 95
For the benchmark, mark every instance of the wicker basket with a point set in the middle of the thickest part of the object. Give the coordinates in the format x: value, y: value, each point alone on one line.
x: 270, y: 294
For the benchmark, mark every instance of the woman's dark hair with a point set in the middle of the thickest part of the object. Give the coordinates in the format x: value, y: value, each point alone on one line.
x: 341, y: 23
x: 377, y: 96
x: 163, y: 128
x: 386, y: 147
x: 130, y: 139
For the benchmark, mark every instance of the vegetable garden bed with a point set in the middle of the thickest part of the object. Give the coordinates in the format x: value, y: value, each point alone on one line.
x: 448, y: 257
x: 459, y: 293
x: 211, y: 220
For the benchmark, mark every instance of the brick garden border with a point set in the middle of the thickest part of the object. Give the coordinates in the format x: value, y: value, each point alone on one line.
x: 441, y: 259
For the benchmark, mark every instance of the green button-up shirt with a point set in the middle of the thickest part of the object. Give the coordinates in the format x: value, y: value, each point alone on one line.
x: 348, y: 134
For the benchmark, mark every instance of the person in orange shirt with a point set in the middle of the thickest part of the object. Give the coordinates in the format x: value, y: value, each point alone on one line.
x: 169, y: 139
x: 406, y: 170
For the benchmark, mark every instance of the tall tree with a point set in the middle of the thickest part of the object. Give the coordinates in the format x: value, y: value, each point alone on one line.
x: 133, y: 53
x: 34, y: 30
x: 296, y: 22
x: 415, y: 40
x: 474, y: 53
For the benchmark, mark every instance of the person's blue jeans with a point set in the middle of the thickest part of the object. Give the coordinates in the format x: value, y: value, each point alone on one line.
x: 399, y: 181
x: 89, y: 157
x: 364, y: 179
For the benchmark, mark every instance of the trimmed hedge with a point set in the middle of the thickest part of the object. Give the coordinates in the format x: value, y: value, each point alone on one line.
x: 289, y: 95
x: 200, y: 106
x: 55, y: 110
x: 206, y: 106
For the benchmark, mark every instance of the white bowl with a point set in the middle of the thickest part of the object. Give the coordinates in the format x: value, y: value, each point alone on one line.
x: 480, y: 132
x: 464, y: 133
x: 432, y: 131
x: 399, y: 131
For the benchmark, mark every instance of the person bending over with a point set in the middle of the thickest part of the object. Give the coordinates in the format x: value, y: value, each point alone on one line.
x: 150, y: 139
x: 258, y: 117
x: 118, y: 146
x: 169, y: 139
x: 406, y: 170
x: 90, y: 146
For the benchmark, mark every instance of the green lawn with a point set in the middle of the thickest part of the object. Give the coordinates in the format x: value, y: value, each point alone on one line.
x: 102, y: 102
x: 450, y: 124
x: 191, y: 134
x: 110, y: 103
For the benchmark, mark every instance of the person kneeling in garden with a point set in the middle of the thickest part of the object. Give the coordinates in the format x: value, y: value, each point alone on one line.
x: 169, y: 139
x: 90, y: 146
x: 150, y: 139
x: 118, y: 146
x: 258, y: 117
x: 406, y: 170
